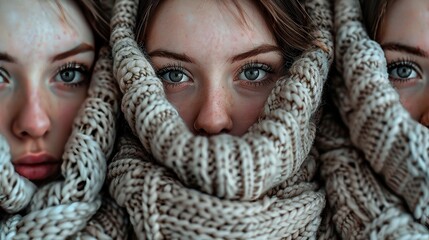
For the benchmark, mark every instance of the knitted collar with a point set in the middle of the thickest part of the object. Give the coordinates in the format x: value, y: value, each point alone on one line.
x: 380, y: 144
x: 177, y: 185
x: 73, y: 206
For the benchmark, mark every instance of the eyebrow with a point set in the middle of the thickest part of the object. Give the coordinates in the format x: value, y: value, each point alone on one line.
x: 264, y: 48
x: 6, y: 57
x: 81, y: 48
x: 172, y: 55
x: 405, y: 49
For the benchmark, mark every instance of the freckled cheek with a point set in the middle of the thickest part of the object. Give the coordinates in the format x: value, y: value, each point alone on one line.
x: 66, y: 114
x: 248, y: 110
x: 185, y: 104
x: 412, y: 104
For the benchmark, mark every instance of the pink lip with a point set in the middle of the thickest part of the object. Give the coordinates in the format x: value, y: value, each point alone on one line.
x: 37, y: 166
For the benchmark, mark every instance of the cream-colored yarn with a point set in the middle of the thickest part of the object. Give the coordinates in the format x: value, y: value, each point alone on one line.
x: 179, y: 186
x: 376, y: 166
x: 73, y: 207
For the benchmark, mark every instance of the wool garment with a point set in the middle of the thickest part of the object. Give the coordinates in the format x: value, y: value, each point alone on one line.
x: 73, y: 207
x: 374, y: 155
x: 176, y: 185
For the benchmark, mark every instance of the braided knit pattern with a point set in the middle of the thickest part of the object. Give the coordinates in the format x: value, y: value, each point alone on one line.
x: 175, y: 185
x: 376, y: 162
x: 72, y: 207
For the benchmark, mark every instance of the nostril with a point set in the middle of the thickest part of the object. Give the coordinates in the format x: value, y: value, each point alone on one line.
x: 203, y: 132
x: 24, y: 134
x: 224, y: 131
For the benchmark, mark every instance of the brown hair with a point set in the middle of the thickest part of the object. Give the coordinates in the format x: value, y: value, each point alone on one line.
x: 373, y: 12
x: 97, y: 14
x: 290, y: 23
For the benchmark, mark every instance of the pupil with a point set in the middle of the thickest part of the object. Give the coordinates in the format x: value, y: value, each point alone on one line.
x: 252, y: 74
x: 67, y: 76
x: 404, y: 72
x: 176, y: 76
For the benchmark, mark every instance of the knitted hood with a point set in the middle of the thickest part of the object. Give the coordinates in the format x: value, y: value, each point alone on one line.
x: 72, y: 207
x: 176, y: 185
x: 376, y: 156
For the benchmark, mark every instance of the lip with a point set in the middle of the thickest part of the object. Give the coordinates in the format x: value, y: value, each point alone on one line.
x: 37, y: 166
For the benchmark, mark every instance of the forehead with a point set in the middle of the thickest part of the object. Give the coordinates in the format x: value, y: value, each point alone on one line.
x: 406, y: 21
x: 27, y: 24
x: 184, y: 21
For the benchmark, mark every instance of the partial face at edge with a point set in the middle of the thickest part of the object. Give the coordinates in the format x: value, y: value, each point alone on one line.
x: 404, y: 37
x: 217, y: 71
x: 45, y: 59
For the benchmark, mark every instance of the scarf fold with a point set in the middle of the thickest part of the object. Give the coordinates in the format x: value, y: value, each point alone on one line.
x: 74, y: 206
x: 175, y: 185
x: 375, y: 156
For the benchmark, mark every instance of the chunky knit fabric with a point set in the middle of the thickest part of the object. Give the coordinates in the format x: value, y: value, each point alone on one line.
x: 375, y: 156
x: 175, y: 185
x: 73, y: 207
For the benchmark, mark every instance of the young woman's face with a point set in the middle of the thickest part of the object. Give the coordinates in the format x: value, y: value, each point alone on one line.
x: 404, y: 37
x: 45, y: 57
x: 217, y: 70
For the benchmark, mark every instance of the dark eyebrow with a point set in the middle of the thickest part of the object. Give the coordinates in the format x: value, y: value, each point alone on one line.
x: 168, y: 54
x: 405, y: 49
x: 6, y: 57
x: 264, y: 48
x: 83, y: 47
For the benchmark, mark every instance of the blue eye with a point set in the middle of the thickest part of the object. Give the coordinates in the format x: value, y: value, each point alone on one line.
x: 254, y: 72
x: 173, y: 75
x: 402, y: 71
x: 72, y: 74
x: 69, y: 76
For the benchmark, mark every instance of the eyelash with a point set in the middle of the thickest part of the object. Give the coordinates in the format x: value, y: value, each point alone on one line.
x: 249, y: 65
x: 258, y: 65
x: 172, y: 67
x: 403, y: 62
x: 83, y: 69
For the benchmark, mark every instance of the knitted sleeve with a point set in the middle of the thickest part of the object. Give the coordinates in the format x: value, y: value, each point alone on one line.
x: 381, y: 157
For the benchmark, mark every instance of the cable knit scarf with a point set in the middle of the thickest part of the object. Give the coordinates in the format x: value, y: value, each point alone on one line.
x: 376, y: 163
x: 175, y: 185
x: 72, y: 207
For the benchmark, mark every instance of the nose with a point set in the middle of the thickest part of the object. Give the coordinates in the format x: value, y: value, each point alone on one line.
x: 214, y: 115
x: 32, y: 119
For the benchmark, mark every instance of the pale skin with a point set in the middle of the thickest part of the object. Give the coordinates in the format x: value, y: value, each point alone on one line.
x: 404, y: 37
x: 45, y: 59
x: 217, y: 70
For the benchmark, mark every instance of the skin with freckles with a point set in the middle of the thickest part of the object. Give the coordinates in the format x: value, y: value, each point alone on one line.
x: 46, y: 54
x: 404, y: 37
x: 217, y: 69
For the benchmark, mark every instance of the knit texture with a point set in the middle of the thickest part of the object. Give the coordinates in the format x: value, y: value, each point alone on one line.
x: 375, y: 156
x: 176, y: 185
x: 72, y: 207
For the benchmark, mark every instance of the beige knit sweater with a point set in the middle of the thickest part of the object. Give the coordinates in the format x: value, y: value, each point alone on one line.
x: 175, y: 185
x: 375, y: 156
x: 72, y: 207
